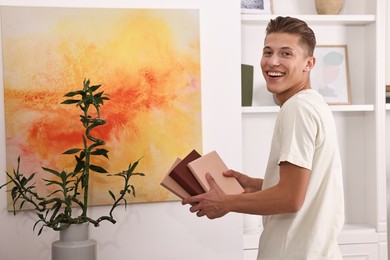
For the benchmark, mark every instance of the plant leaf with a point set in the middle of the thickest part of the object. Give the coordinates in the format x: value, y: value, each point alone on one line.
x: 103, y: 152
x: 51, y: 182
x: 40, y: 230
x: 97, y: 169
x: 70, y: 101
x: 93, y: 88
x: 112, y: 194
x: 74, y: 93
x: 72, y: 151
x: 52, y: 171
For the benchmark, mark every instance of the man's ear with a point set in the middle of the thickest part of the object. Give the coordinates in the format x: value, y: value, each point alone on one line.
x: 311, y: 61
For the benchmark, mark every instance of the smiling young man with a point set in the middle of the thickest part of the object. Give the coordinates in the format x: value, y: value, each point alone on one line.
x: 301, y: 197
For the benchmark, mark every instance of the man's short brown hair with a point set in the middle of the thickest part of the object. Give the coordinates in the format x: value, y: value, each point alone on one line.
x: 293, y: 26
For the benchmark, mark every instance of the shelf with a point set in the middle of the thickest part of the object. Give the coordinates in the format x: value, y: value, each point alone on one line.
x: 262, y: 109
x: 351, y: 234
x: 358, y: 234
x: 316, y: 19
x: 352, y: 108
x: 334, y: 108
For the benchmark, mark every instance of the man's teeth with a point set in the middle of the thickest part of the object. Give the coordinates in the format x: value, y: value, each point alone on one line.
x: 275, y: 74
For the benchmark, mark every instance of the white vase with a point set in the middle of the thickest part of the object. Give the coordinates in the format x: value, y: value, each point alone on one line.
x: 329, y: 6
x: 74, y: 244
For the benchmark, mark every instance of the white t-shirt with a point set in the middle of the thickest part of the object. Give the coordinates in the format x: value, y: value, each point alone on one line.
x: 305, y: 135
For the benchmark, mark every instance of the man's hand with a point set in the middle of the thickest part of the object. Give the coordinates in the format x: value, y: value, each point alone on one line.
x: 249, y: 184
x: 208, y: 204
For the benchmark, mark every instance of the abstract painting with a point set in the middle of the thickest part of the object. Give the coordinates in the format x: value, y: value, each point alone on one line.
x: 330, y: 75
x: 147, y: 60
x: 257, y: 6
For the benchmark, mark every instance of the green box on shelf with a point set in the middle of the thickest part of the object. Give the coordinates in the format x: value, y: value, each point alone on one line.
x: 246, y: 85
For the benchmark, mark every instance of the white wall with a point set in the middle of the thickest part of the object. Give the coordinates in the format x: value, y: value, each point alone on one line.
x: 159, y: 230
x: 387, y: 78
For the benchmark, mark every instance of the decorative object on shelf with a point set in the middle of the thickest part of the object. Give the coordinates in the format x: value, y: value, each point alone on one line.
x: 256, y: 6
x: 330, y: 75
x: 74, y: 243
x: 246, y: 85
x: 329, y: 6
x: 387, y: 93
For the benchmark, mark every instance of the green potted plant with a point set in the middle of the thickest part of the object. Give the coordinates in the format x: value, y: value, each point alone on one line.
x: 68, y: 203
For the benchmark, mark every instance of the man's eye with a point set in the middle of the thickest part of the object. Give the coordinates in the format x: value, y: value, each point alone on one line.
x: 267, y: 53
x: 286, y: 54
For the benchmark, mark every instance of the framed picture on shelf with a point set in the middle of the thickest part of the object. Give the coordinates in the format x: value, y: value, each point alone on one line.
x: 330, y: 75
x: 256, y: 6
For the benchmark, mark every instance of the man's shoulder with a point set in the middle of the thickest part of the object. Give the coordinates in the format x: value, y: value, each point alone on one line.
x: 307, y: 100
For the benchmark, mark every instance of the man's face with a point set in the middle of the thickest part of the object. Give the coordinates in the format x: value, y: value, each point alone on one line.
x: 285, y: 65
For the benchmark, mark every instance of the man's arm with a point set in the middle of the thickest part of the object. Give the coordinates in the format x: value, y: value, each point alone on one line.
x: 285, y: 197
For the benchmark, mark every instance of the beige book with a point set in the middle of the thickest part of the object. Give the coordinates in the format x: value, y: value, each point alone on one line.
x: 213, y: 164
x: 171, y: 185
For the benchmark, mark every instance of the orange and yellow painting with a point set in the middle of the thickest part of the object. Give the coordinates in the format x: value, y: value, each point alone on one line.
x: 147, y: 60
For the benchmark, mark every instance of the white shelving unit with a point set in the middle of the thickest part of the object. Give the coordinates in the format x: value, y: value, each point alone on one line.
x: 335, y: 108
x: 361, y: 125
x: 318, y: 19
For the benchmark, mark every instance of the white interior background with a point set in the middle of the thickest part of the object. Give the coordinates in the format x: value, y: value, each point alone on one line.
x: 388, y: 43
x: 158, y: 230
x: 167, y: 230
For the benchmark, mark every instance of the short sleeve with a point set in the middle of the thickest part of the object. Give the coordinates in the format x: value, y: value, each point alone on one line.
x: 298, y: 131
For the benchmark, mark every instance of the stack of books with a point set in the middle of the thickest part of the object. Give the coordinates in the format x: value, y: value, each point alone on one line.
x: 187, y: 177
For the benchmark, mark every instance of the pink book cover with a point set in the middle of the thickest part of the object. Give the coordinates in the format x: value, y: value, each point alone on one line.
x: 212, y: 163
x: 171, y: 185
